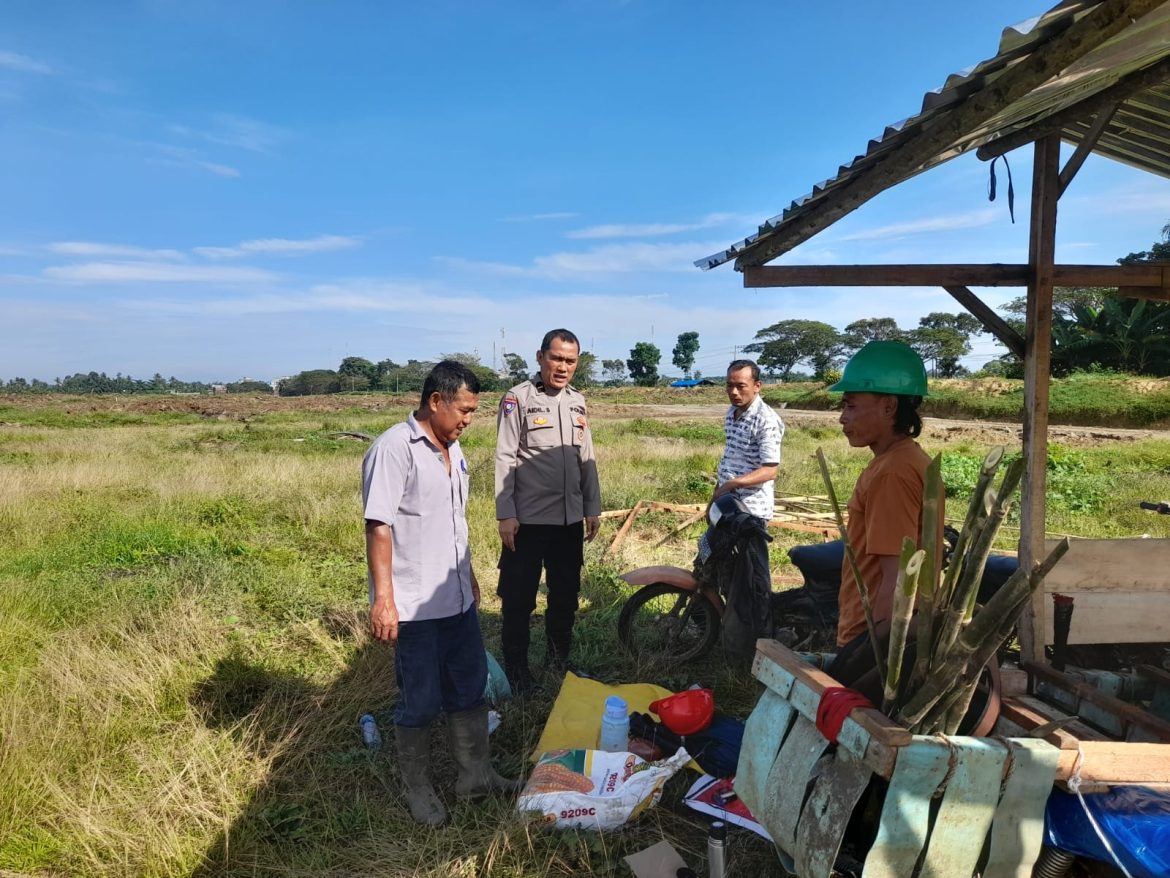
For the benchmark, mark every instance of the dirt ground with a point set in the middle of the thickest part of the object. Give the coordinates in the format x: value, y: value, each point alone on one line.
x: 234, y: 407
x: 988, y: 432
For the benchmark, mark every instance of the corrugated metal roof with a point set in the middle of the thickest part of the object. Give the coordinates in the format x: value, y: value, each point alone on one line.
x: 1131, y: 66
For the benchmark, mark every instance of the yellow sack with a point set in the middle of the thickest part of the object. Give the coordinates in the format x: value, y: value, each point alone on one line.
x: 575, y: 720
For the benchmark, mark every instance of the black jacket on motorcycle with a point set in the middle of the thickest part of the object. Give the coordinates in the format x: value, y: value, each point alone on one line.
x: 738, y: 565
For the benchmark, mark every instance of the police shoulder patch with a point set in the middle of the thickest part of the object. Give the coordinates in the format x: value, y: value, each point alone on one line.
x: 508, y: 404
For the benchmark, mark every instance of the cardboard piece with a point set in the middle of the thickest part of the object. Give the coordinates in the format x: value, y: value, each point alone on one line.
x: 658, y: 861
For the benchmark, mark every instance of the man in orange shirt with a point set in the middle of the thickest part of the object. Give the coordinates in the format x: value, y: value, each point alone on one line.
x: 883, y: 384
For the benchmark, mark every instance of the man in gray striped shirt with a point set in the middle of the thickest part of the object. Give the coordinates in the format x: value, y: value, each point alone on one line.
x: 754, y: 433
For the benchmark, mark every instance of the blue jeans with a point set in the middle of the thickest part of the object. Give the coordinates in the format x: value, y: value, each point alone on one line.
x: 439, y: 664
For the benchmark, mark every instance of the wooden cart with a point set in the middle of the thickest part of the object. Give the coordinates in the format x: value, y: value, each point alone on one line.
x: 952, y: 804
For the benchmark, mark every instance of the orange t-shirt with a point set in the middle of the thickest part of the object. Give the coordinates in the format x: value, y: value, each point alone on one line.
x: 885, y: 507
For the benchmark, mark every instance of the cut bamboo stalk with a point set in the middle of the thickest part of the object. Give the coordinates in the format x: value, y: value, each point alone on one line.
x: 928, y: 583
x: 909, y: 570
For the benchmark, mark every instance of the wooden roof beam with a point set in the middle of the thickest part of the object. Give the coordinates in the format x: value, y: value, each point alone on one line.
x: 1085, y: 146
x: 1152, y: 276
x: 1104, y: 21
x: 991, y: 321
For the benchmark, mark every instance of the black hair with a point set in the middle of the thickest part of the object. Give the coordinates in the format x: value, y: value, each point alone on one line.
x: 563, y: 334
x: 736, y: 365
x: 906, y: 418
x: 447, y: 379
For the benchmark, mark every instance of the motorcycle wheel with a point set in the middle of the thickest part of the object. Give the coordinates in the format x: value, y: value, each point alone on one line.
x: 661, y: 622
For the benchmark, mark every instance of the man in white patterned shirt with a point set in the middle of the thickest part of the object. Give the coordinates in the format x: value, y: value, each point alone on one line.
x: 754, y: 433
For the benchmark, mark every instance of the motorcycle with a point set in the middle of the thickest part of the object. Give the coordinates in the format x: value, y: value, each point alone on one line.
x: 676, y: 614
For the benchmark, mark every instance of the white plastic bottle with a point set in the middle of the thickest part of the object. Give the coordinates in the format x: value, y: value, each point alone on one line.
x: 371, y: 737
x: 615, y: 726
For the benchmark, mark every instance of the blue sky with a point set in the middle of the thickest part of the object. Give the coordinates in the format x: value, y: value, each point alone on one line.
x: 218, y: 190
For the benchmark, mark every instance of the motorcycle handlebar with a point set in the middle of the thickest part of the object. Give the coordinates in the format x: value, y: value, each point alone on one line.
x: 1161, y: 508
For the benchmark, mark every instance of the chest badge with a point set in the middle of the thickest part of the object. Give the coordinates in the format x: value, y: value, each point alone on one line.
x: 540, y: 422
x: 581, y: 421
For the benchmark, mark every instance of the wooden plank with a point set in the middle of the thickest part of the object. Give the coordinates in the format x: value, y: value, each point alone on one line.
x: 1123, y: 710
x: 625, y: 528
x: 905, y: 821
x: 1116, y: 617
x: 968, y: 807
x: 991, y: 321
x: 1025, y: 713
x: 1118, y: 762
x: 615, y: 513
x: 1141, y: 565
x: 826, y: 815
x: 873, y: 721
x: 1037, y: 366
x: 763, y: 734
x: 961, y: 275
x: 678, y: 507
x: 789, y: 781
x: 1018, y: 828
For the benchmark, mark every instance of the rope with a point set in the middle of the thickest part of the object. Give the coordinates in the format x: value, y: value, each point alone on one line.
x: 836, y: 703
x: 1074, y: 784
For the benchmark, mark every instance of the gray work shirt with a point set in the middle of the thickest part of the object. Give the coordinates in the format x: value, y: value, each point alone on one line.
x: 405, y: 484
x: 546, y: 472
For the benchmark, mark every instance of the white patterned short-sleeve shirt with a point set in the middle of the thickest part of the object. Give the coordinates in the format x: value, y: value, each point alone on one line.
x: 753, y: 440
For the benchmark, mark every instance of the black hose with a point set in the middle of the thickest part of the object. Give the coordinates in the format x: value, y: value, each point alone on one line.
x: 1053, y: 863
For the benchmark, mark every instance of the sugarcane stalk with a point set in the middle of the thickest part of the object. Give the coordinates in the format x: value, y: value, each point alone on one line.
x: 862, y: 592
x: 983, y: 637
x: 909, y: 570
x: 976, y: 512
x: 962, y: 604
x: 928, y: 581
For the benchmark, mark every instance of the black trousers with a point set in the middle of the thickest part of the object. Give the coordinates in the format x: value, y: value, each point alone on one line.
x: 558, y: 549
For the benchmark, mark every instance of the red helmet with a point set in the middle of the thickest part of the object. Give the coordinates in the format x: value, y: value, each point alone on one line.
x: 686, y: 713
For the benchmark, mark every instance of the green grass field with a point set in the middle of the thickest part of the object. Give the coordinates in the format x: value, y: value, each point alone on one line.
x: 183, y: 654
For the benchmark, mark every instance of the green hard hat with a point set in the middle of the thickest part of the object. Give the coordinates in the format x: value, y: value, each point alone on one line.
x: 884, y: 367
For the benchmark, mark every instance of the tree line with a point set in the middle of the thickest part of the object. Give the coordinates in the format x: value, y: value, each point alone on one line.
x: 1092, y: 329
x: 100, y: 382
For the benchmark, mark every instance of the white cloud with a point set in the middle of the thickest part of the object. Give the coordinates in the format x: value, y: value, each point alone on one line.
x: 111, y: 251
x: 281, y: 246
x: 154, y: 272
x: 651, y: 230
x: 970, y: 220
x: 238, y: 132
x: 598, y: 262
x: 541, y: 217
x: 218, y: 169
x: 24, y: 64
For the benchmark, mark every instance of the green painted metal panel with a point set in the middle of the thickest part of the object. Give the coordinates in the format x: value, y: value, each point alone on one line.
x: 1018, y: 830
x: 905, y: 820
x: 968, y: 807
x: 789, y: 781
x: 826, y: 815
x: 763, y: 734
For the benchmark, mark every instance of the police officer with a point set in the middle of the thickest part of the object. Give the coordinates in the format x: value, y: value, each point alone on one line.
x: 548, y: 503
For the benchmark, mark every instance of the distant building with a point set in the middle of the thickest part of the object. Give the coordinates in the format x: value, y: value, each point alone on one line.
x: 217, y: 389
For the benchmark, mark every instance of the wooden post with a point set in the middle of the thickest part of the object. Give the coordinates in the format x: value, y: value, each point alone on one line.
x: 1037, y: 370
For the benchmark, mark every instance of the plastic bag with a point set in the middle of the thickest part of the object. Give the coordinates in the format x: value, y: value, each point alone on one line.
x: 592, y: 789
x: 1135, y: 820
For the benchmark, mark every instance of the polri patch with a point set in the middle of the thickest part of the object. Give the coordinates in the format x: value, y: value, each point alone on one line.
x: 508, y: 404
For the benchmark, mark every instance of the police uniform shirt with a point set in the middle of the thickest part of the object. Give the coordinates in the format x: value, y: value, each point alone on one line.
x: 546, y: 472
